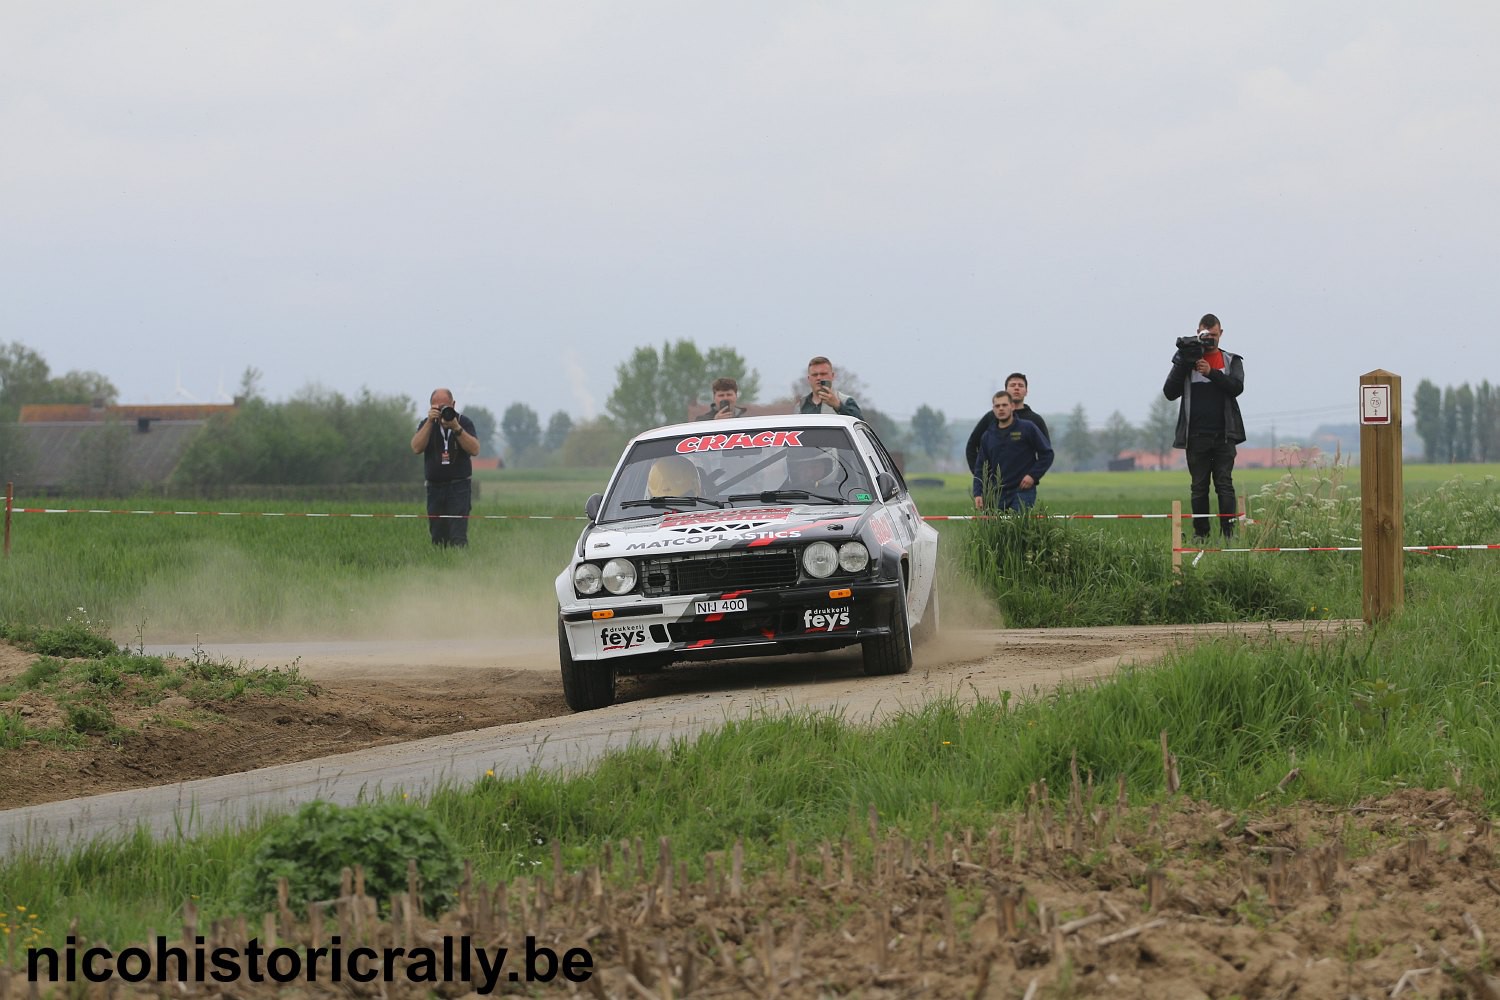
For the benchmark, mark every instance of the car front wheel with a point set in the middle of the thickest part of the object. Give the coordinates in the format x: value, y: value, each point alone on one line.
x: 586, y: 685
x: 891, y: 654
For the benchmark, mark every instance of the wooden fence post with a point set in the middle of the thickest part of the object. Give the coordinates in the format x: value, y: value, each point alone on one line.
x: 1177, y: 537
x: 1381, y: 494
x: 10, y: 499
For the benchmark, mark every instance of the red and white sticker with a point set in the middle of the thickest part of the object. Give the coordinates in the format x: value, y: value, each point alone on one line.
x: 724, y: 442
x: 747, y: 514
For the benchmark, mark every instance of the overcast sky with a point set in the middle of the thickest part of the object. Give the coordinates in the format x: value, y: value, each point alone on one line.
x: 510, y: 197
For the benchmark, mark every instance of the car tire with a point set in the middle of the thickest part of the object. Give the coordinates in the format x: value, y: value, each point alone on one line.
x: 587, y: 685
x: 927, y: 629
x: 891, y: 654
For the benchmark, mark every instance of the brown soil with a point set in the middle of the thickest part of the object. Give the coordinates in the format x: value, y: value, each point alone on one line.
x: 178, y: 740
x: 1394, y: 897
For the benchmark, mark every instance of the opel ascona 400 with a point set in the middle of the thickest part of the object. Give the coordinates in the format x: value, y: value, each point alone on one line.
x: 746, y: 537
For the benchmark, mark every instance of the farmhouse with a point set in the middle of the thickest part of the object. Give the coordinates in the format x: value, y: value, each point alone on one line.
x: 104, y: 450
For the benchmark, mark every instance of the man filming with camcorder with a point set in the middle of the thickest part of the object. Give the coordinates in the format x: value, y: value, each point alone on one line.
x: 446, y: 441
x: 1208, y: 381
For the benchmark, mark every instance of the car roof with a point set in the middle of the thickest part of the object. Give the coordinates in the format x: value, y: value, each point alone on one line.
x: 781, y: 421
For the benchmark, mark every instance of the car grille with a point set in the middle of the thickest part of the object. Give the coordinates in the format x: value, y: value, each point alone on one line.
x: 719, y: 572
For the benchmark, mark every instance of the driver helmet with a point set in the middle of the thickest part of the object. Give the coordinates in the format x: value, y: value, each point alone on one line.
x: 805, y: 469
x: 672, y: 476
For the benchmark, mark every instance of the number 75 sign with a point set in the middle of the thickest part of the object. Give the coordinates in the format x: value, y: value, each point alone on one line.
x: 1374, y: 404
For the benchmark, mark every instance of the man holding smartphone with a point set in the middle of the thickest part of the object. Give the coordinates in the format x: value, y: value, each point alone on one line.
x: 726, y: 402
x: 823, y: 398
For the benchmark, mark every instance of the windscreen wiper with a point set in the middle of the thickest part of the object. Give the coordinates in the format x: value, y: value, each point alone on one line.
x: 771, y: 496
x: 670, y: 502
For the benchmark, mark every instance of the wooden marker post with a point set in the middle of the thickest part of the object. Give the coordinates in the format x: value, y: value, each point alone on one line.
x: 1177, y: 537
x: 1381, y: 494
x: 10, y: 500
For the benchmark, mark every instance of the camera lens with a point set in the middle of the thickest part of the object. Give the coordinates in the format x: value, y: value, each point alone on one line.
x: 449, y: 413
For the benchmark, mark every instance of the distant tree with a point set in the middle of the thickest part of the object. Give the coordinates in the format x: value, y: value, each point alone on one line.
x: 593, y: 443
x: 1077, y: 440
x: 930, y: 429
x: 1117, y: 435
x: 1463, y: 432
x: 1160, y: 427
x: 485, y: 428
x: 522, y: 430
x: 654, y: 387
x: 558, y: 428
x: 1486, y: 422
x: 1450, y: 425
x: 25, y: 378
x: 249, y: 384
x: 317, y: 437
x: 1429, y: 414
x: 887, y: 428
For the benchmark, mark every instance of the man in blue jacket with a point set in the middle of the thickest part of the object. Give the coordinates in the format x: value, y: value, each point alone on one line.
x: 1013, y: 457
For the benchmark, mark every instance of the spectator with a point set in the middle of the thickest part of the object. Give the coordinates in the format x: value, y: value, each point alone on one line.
x: 446, y: 454
x: 824, y: 398
x: 1017, y: 386
x: 1013, y: 457
x: 726, y: 400
x: 1208, y: 381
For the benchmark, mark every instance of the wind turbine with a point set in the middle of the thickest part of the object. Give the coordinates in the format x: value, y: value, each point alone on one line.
x: 183, y: 392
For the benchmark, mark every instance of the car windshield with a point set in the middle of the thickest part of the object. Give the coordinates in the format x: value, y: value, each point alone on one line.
x: 812, y: 465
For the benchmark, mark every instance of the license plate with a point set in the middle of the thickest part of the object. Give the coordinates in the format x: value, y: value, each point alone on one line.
x: 721, y: 607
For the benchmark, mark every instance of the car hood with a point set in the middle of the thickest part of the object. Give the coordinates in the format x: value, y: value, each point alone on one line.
x: 739, y: 527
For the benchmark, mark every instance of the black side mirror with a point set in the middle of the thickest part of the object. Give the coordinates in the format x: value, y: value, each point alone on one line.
x: 886, y: 484
x: 592, y: 505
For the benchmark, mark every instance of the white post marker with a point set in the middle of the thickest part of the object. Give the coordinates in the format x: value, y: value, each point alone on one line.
x: 1375, y: 404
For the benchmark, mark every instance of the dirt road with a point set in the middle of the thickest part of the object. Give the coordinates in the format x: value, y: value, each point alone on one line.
x: 410, y: 715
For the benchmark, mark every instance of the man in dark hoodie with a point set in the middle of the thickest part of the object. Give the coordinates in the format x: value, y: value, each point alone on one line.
x: 1013, y: 456
x: 1016, y: 385
x: 1208, y: 381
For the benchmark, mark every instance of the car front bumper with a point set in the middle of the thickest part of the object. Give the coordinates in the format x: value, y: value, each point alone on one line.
x: 789, y: 620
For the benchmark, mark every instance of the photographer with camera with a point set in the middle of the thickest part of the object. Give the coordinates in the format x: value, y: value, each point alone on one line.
x: 1208, y: 381
x: 823, y: 398
x: 726, y: 400
x: 446, y: 441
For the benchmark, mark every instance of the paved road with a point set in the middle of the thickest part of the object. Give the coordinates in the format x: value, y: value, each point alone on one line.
x: 966, y: 664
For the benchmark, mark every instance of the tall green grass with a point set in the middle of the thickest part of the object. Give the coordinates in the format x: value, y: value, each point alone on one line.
x: 1413, y: 703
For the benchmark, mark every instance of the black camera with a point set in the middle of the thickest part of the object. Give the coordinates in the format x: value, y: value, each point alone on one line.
x: 448, y: 413
x: 1191, y: 349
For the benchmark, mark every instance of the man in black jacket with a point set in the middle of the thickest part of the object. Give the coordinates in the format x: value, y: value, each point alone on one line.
x: 1017, y: 387
x: 446, y: 441
x: 1208, y: 381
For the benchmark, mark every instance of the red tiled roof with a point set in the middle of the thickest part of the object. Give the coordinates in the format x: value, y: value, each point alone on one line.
x: 39, y: 413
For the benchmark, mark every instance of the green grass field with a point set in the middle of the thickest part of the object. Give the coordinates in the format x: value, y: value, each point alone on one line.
x: 1415, y: 701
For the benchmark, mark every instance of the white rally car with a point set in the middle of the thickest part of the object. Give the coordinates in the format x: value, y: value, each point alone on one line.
x: 745, y: 537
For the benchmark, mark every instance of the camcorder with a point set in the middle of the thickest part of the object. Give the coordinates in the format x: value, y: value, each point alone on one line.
x: 1191, y: 349
x: 448, y: 413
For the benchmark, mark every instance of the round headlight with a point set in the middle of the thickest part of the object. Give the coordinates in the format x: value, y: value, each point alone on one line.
x: 820, y: 560
x: 619, y: 576
x: 587, y: 578
x: 853, y: 557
